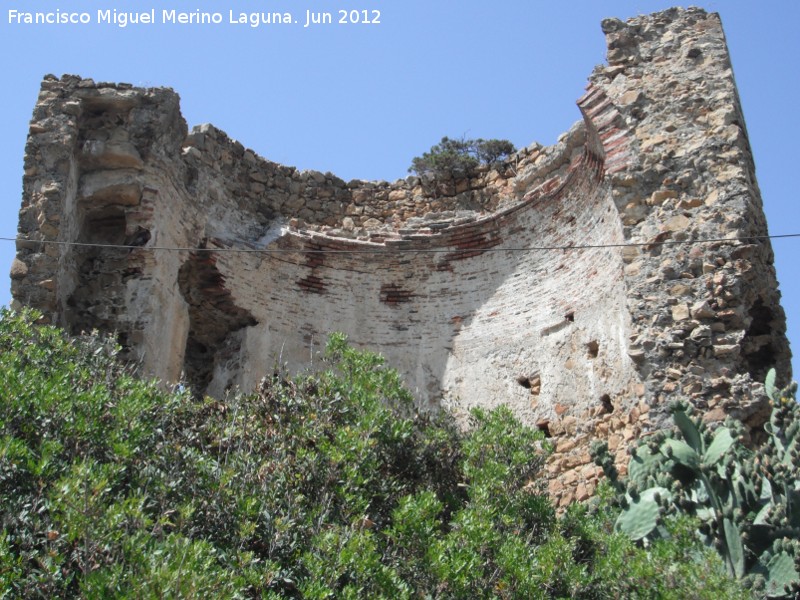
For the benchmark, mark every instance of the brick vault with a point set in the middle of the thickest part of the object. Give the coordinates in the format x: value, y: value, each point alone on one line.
x: 566, y: 283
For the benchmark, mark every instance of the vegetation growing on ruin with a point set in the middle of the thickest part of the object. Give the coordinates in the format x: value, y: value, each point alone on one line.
x: 460, y: 157
x: 325, y: 486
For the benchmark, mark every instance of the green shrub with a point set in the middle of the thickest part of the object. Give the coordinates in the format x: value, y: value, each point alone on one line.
x: 460, y: 157
x: 325, y: 486
x: 110, y: 483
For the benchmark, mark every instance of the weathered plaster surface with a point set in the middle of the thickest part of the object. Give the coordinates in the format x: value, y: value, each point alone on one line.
x: 583, y: 342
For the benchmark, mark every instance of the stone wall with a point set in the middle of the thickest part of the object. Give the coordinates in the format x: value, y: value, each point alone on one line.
x: 564, y: 283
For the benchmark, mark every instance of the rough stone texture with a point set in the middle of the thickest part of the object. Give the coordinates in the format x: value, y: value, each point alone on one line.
x: 584, y: 343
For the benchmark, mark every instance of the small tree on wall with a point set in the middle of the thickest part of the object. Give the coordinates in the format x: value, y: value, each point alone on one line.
x: 493, y: 151
x: 459, y: 157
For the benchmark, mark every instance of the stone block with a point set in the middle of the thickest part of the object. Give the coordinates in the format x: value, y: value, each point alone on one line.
x: 680, y: 312
x: 99, y: 154
x: 111, y: 187
x: 19, y: 270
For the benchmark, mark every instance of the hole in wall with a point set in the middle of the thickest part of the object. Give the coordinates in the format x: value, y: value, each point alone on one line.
x: 190, y: 177
x: 592, y: 349
x: 104, y: 226
x: 214, y: 320
x: 139, y: 237
x: 756, y: 345
x: 531, y: 382
x: 606, y: 406
x: 570, y: 316
x: 544, y: 427
x: 94, y: 301
x: 761, y: 316
x: 122, y: 338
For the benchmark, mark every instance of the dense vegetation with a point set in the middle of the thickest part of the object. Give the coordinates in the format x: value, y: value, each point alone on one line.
x: 329, y: 486
x: 747, y: 501
x: 460, y: 157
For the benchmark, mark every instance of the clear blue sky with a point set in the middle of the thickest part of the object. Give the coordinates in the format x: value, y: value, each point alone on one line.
x: 361, y: 100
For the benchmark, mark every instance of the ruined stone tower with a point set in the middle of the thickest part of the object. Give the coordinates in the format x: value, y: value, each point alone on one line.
x: 576, y: 283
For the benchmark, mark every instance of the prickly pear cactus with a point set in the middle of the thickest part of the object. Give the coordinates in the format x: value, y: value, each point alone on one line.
x: 747, y: 502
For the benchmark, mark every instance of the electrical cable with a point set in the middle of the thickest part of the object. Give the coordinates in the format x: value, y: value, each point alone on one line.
x: 405, y: 250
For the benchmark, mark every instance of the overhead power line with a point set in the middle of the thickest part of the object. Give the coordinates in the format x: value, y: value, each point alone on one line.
x: 755, y: 238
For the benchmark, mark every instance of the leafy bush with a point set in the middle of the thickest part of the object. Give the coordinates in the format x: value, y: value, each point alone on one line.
x: 493, y: 151
x: 330, y: 486
x: 452, y: 158
x: 747, y: 502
